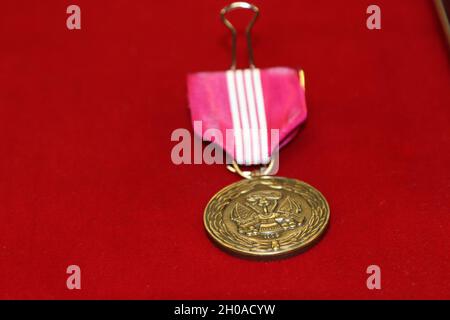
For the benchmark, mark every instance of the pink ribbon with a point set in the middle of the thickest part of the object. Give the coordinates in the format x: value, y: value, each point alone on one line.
x: 251, y: 102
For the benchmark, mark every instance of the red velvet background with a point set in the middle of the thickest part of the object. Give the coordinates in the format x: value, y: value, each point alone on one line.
x: 85, y: 170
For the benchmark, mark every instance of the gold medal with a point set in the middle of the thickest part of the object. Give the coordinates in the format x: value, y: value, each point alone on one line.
x: 267, y: 216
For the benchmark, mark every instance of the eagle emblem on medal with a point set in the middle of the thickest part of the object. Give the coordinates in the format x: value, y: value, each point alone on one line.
x: 268, y: 214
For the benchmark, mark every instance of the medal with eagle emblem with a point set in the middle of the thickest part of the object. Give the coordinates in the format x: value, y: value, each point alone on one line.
x: 267, y: 216
x: 262, y: 215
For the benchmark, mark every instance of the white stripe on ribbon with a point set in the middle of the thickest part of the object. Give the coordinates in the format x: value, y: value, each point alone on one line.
x: 261, y: 115
x: 235, y: 117
x: 248, y: 116
x: 244, y: 117
x: 251, y: 103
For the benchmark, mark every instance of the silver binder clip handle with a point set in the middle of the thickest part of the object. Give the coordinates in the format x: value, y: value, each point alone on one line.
x: 231, y: 7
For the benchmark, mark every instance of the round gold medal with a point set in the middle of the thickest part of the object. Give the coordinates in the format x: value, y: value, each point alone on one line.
x: 267, y: 216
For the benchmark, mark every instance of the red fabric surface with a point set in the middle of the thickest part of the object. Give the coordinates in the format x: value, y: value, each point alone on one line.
x: 86, y: 176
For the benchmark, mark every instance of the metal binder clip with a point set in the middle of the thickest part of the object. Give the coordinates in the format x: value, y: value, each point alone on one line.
x: 231, y: 7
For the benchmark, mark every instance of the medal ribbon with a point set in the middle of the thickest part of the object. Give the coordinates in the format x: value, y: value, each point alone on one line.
x: 252, y: 102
